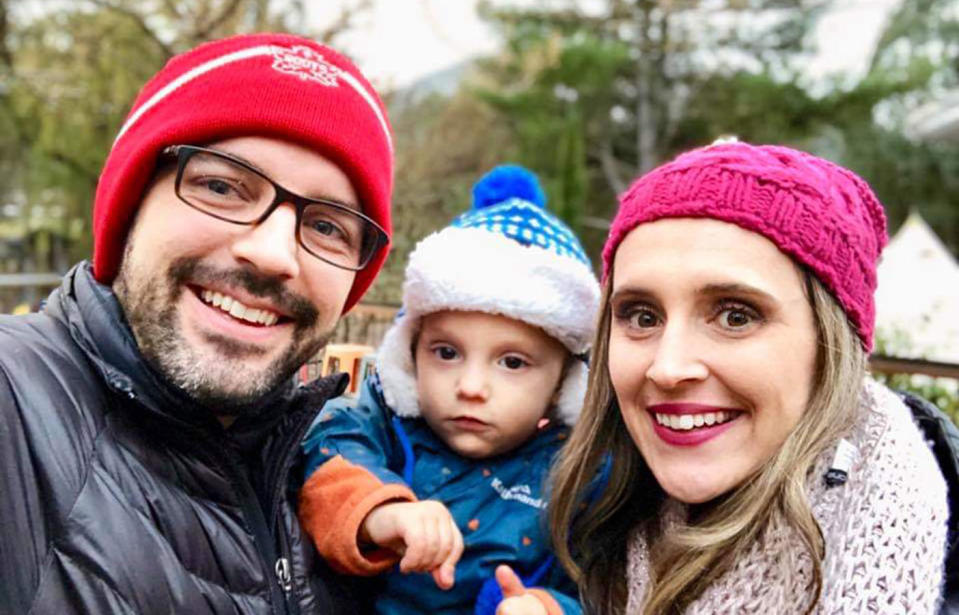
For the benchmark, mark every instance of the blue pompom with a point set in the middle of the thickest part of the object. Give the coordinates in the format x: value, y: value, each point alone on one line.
x: 505, y: 182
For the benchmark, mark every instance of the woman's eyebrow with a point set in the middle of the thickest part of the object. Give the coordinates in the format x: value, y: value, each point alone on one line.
x: 735, y: 288
x: 630, y: 292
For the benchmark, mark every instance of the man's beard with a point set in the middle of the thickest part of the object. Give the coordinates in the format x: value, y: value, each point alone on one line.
x: 217, y: 375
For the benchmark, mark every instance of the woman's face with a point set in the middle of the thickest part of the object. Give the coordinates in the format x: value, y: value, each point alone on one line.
x: 712, y: 351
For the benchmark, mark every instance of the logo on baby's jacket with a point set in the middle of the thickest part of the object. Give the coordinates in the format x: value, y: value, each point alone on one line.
x: 517, y: 493
x: 305, y: 63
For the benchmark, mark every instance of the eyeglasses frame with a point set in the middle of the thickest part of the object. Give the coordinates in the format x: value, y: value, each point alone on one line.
x: 183, y: 153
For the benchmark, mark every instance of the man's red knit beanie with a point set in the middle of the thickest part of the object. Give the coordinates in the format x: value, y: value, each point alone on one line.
x: 271, y: 85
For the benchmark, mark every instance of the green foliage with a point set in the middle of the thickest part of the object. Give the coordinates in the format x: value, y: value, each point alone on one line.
x: 641, y: 81
x: 586, y: 98
x: 68, y: 77
x: 944, y: 392
x: 595, y: 97
x: 936, y: 390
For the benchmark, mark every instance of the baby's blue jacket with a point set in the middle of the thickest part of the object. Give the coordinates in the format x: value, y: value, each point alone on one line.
x: 498, y: 503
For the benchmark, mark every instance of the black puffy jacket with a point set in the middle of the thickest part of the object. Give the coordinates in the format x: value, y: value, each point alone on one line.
x: 943, y: 438
x: 119, y: 495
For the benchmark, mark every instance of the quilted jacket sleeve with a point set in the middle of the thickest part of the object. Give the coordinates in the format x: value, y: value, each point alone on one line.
x: 23, y: 531
x: 943, y: 438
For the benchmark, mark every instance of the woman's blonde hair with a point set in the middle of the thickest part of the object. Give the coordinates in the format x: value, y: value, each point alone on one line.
x: 603, y: 490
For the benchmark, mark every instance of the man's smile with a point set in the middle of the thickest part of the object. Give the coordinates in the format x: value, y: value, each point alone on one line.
x: 237, y: 309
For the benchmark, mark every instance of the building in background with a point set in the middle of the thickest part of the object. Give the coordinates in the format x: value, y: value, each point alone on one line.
x: 917, y: 300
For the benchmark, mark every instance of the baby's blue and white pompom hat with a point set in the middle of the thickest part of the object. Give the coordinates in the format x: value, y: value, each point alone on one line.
x: 506, y: 255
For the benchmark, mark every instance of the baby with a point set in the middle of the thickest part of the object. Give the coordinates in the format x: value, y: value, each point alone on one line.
x: 441, y: 465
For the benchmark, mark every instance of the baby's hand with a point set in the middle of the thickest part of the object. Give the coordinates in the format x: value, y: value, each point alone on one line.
x: 424, y: 533
x: 516, y: 601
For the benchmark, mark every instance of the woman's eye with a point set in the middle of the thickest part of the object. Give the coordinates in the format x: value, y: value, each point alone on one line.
x: 445, y: 353
x: 513, y: 362
x: 737, y: 317
x: 643, y: 319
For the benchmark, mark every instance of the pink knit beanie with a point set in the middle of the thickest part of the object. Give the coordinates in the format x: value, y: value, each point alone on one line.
x: 822, y: 215
x: 272, y: 85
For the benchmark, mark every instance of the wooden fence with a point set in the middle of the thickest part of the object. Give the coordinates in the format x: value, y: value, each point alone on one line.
x: 365, y: 324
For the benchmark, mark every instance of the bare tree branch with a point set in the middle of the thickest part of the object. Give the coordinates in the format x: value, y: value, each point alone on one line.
x: 6, y: 56
x: 343, y: 21
x: 610, y: 166
x: 645, y: 114
x: 204, y: 32
x: 173, y: 8
x: 88, y: 174
x: 141, y: 23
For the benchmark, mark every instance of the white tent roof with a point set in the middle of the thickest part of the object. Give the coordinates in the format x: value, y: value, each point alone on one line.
x: 917, y: 301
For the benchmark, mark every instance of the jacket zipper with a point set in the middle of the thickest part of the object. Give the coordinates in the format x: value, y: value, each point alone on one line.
x: 262, y: 537
x: 280, y: 475
x: 264, y: 541
x: 282, y: 591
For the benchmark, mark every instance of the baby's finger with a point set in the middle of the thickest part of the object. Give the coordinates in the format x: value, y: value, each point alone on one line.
x: 413, y: 537
x: 443, y: 578
x: 420, y: 547
x: 509, y: 582
x: 521, y: 605
x: 445, y: 573
x: 448, y: 567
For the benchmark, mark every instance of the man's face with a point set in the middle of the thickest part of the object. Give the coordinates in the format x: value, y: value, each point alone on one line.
x: 225, y: 311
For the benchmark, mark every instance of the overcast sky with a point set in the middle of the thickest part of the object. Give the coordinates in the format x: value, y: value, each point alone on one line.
x: 403, y: 40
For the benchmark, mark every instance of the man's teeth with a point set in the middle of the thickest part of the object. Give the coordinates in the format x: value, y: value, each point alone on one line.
x: 237, y: 310
x: 685, y: 422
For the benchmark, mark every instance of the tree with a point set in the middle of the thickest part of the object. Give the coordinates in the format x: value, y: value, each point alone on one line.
x: 442, y: 147
x: 68, y: 76
x: 597, y: 97
x: 634, y: 82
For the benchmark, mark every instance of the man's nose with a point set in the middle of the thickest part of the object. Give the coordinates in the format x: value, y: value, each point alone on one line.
x: 271, y: 245
x: 677, y: 359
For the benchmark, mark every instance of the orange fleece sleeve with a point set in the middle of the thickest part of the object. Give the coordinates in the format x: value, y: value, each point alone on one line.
x: 334, y: 502
x: 552, y: 607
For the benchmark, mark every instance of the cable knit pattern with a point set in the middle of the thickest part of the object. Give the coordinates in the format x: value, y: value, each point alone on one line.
x: 884, y: 530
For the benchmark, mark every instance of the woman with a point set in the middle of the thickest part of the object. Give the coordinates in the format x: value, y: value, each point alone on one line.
x: 748, y: 464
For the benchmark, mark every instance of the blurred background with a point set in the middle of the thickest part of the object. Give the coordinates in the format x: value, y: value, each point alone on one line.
x: 587, y: 93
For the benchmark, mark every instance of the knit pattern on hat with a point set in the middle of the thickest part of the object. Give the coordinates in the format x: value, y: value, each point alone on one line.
x: 820, y: 214
x: 884, y: 532
x: 511, y: 258
x: 270, y: 85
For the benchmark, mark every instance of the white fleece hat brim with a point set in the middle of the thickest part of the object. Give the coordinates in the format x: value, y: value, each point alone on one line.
x: 472, y: 269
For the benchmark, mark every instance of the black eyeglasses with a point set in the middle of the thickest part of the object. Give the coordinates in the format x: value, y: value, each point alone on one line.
x: 229, y: 189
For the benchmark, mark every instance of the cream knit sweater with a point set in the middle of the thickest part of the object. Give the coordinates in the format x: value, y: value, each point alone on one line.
x: 884, y: 531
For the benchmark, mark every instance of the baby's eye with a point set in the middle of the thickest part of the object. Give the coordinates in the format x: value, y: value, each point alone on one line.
x: 445, y: 353
x: 513, y: 362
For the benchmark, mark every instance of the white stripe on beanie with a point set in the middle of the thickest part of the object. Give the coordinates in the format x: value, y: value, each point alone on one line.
x: 237, y: 56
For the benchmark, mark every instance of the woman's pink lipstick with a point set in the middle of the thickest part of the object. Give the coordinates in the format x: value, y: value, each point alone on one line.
x: 691, y: 437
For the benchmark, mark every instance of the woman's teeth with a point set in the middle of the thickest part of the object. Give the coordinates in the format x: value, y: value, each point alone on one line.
x: 685, y: 422
x: 237, y: 310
